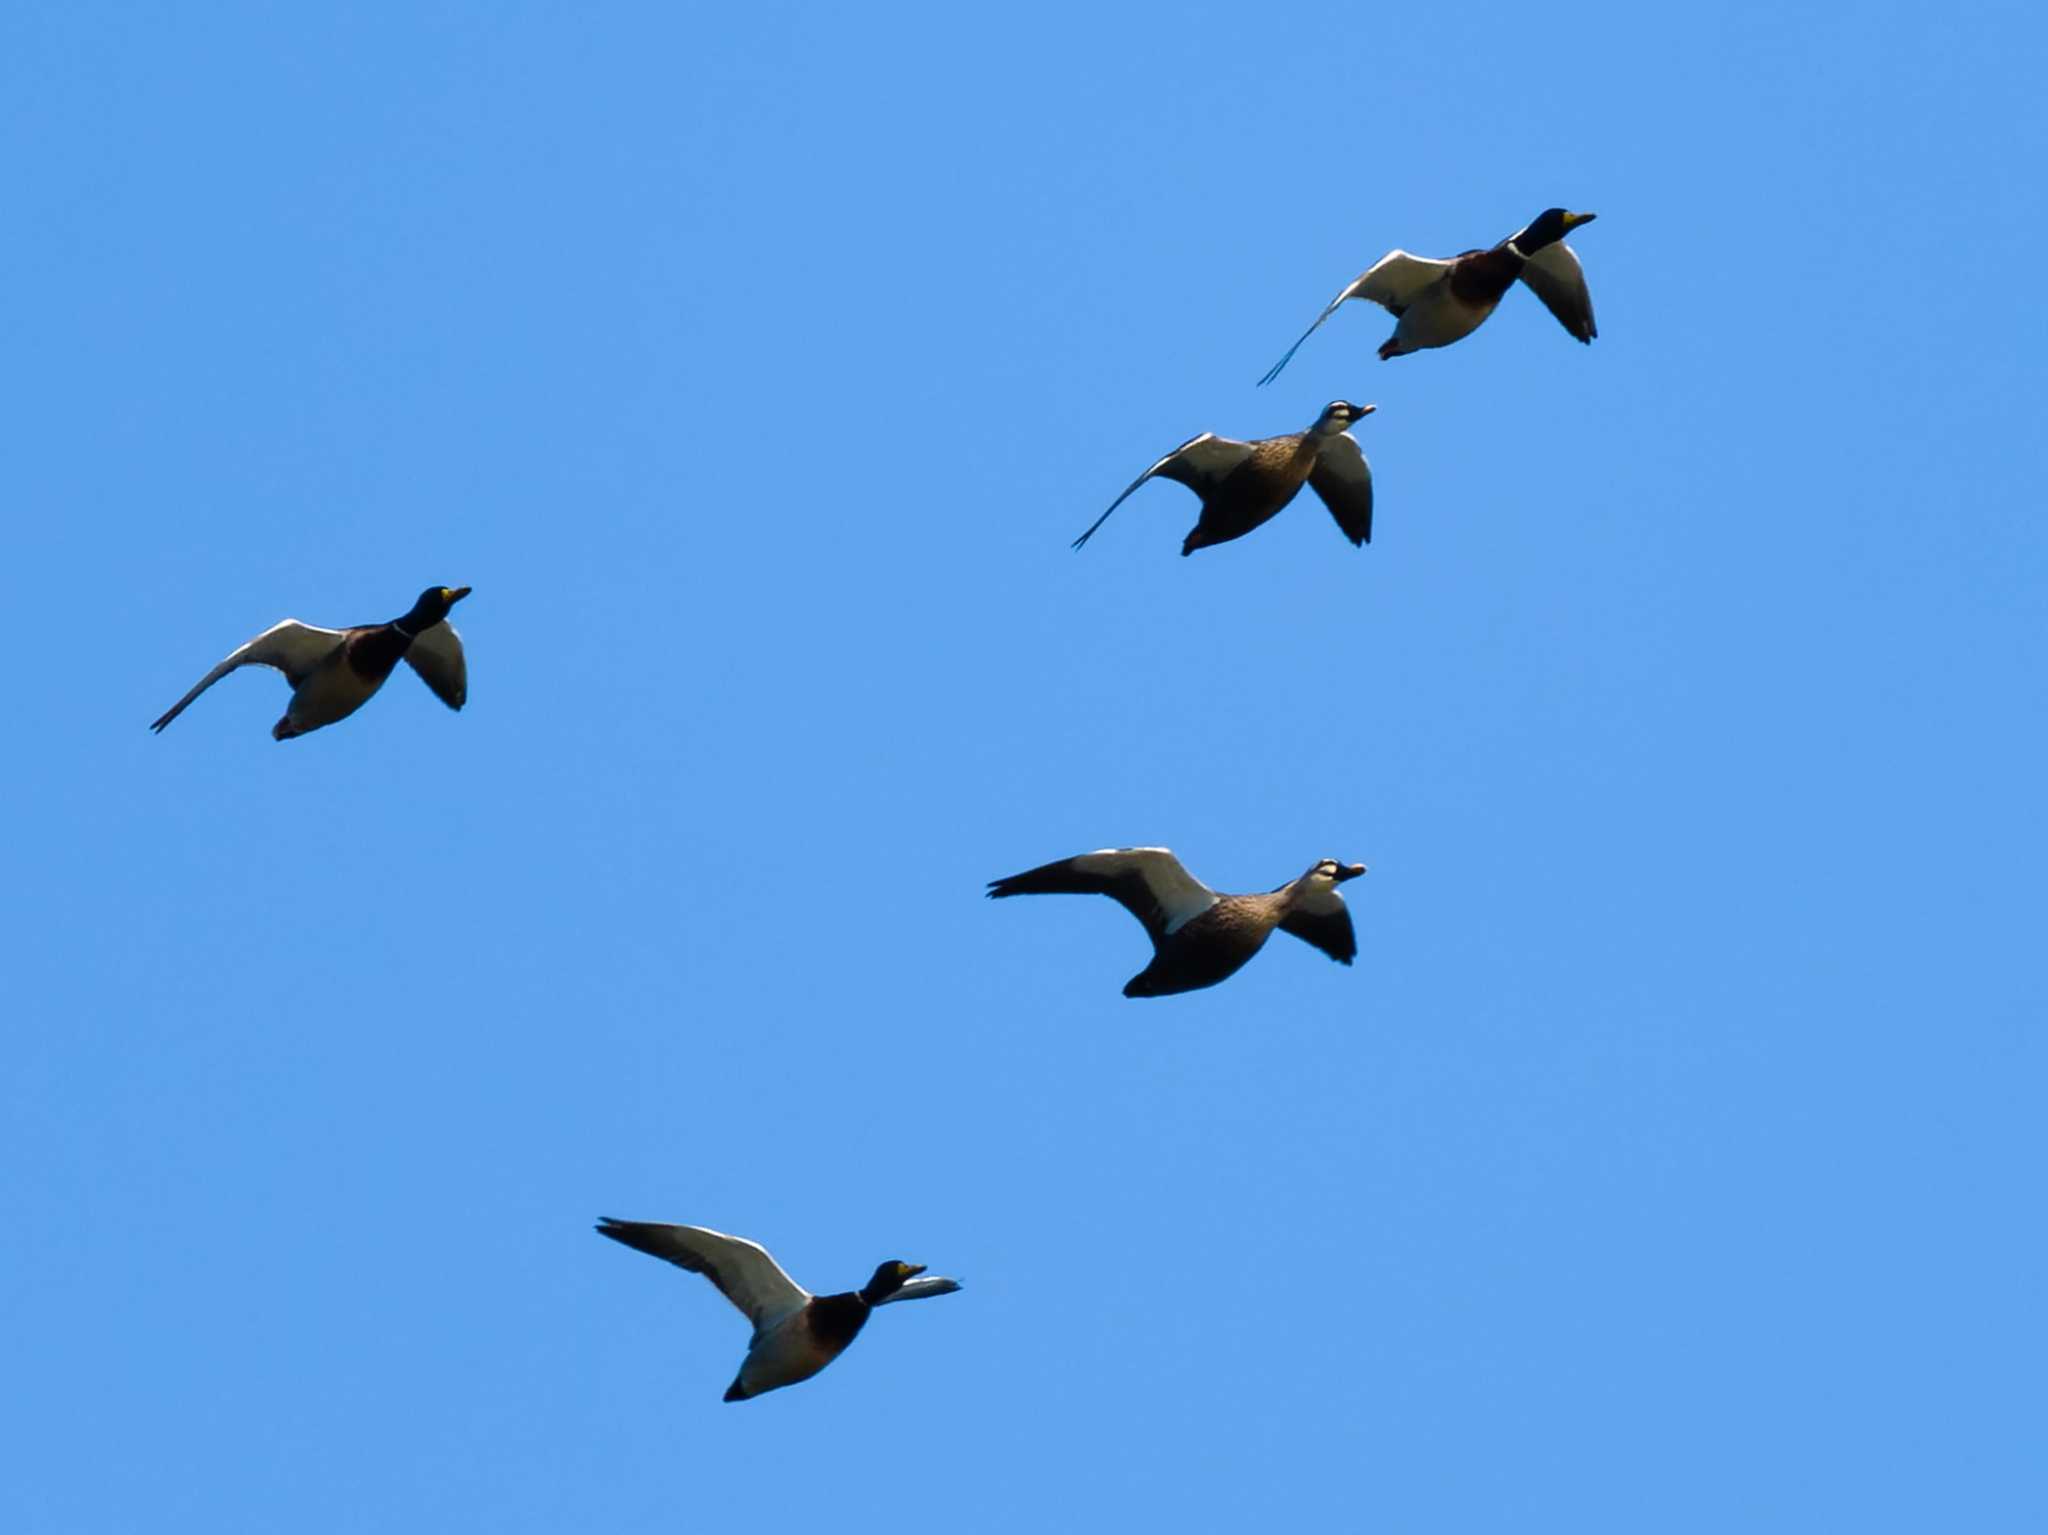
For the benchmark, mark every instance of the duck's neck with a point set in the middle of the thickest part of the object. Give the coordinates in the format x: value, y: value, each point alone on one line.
x: 415, y: 623
x: 1299, y: 890
x: 1528, y: 241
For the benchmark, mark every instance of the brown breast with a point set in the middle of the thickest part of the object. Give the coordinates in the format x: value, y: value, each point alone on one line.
x: 834, y: 1321
x: 374, y: 651
x: 1480, y: 278
x: 1277, y: 467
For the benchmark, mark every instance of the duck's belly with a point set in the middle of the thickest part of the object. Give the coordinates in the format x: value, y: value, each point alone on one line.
x: 789, y: 1354
x: 334, y: 692
x: 1440, y: 317
x: 1209, y: 949
x: 1255, y: 494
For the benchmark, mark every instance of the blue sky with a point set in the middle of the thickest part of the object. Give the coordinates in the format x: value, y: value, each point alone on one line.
x: 1671, y: 1157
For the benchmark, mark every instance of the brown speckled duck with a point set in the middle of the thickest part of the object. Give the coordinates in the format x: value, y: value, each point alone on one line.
x: 1242, y: 484
x: 1198, y: 937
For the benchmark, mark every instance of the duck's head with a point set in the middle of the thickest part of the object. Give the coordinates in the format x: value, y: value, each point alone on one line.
x: 1548, y: 227
x: 1330, y: 873
x: 889, y: 1278
x: 432, y: 607
x: 1339, y: 414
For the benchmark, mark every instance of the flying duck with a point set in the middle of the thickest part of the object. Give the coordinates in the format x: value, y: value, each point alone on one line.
x: 1438, y: 302
x: 1242, y: 484
x: 796, y: 1333
x: 333, y: 672
x: 1198, y: 937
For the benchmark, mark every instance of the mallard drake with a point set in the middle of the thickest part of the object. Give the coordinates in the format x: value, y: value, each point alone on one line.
x: 333, y: 672
x: 796, y: 1333
x: 1438, y: 302
x: 1242, y: 484
x: 1198, y: 937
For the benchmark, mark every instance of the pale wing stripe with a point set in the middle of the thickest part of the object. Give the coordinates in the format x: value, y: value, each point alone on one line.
x: 1210, y: 455
x: 743, y: 1271
x: 289, y: 646
x: 1181, y: 897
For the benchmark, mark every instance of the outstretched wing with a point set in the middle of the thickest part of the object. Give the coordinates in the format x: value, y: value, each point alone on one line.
x: 1148, y: 882
x: 1323, y: 920
x: 292, y: 647
x: 1555, y: 276
x: 436, y: 654
x: 1343, y: 479
x: 1201, y: 463
x: 918, y: 1289
x: 1392, y: 282
x: 742, y: 1270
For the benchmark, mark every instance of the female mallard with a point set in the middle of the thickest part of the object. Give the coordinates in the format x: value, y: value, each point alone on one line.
x: 1198, y: 936
x: 333, y: 672
x: 1242, y: 484
x: 1438, y: 302
x: 796, y: 1333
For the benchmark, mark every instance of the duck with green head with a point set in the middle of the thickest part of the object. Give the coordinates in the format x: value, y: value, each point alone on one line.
x: 334, y: 672
x: 796, y: 1333
x: 1437, y: 302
